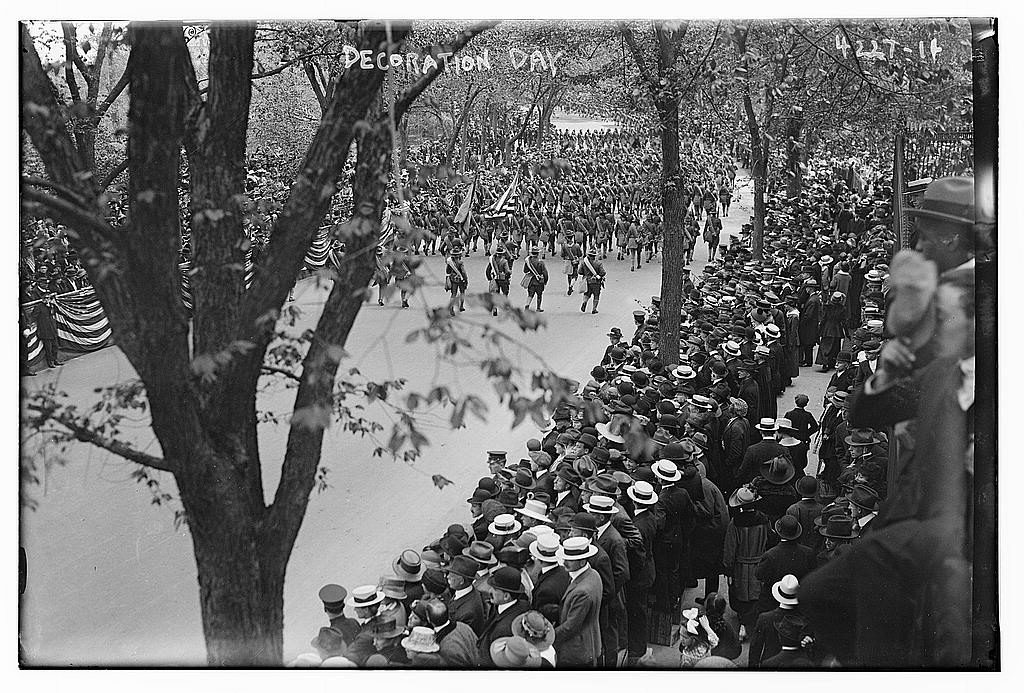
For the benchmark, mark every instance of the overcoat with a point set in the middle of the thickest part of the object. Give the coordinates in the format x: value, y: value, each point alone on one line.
x: 578, y: 633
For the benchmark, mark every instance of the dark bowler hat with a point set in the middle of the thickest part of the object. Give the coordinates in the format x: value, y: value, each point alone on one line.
x: 433, y: 581
x: 506, y: 579
x: 947, y: 199
x: 788, y: 527
x: 479, y: 496
x: 488, y: 484
x: 584, y: 521
x: 333, y: 597
x: 807, y: 486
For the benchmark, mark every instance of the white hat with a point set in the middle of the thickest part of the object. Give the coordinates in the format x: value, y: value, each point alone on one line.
x: 365, y: 595
x: 601, y: 505
x: 785, y: 590
x: 684, y: 372
x: 604, y: 430
x: 643, y: 493
x: 306, y: 660
x: 666, y: 470
x: 783, y: 422
x: 773, y: 331
x: 576, y: 549
x: 536, y: 509
x: 338, y: 662
x: 545, y: 548
x: 504, y: 524
x: 731, y: 348
x: 767, y: 424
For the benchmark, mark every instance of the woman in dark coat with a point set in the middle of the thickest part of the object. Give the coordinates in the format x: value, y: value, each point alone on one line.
x: 832, y: 332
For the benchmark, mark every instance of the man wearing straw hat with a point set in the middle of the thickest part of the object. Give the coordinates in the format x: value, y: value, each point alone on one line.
x: 552, y: 579
x: 649, y: 522
x: 613, y: 614
x: 578, y: 633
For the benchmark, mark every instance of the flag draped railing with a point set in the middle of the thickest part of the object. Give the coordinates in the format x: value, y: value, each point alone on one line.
x: 80, y: 321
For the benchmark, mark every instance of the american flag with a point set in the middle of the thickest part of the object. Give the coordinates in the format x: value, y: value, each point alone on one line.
x: 505, y: 205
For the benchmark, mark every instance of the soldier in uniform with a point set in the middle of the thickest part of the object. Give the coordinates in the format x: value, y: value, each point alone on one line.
x: 535, y: 277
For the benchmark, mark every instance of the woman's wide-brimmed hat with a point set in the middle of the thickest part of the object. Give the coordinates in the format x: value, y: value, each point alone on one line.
x: 534, y: 629
x: 778, y: 471
x: 421, y: 639
x: 744, y: 495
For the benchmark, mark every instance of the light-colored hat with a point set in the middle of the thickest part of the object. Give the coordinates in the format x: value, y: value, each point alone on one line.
x: 666, y: 471
x: 338, y: 662
x: 783, y: 422
x: 604, y: 430
x: 545, y: 548
x: 514, y: 653
x: 601, y: 505
x: 732, y: 348
x: 767, y: 424
x: 365, y: 595
x: 642, y: 493
x: 785, y: 590
x: 684, y: 372
x: 421, y: 639
x: 536, y: 509
x: 773, y: 331
x: 576, y: 549
x: 504, y: 525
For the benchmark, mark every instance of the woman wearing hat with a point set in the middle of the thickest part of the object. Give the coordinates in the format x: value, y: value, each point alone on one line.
x: 536, y: 630
x: 746, y: 539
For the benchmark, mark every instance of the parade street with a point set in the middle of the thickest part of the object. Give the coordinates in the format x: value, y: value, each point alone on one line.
x: 109, y: 574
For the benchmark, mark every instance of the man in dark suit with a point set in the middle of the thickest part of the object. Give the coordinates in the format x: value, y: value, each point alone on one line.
x: 648, y: 519
x: 749, y: 391
x: 456, y: 640
x: 466, y: 605
x: 505, y: 592
x: 765, y: 641
x: 613, y: 612
x: 788, y: 557
x: 674, y: 542
x: 767, y: 448
x: 578, y: 633
x: 791, y: 655
x: 551, y: 579
x: 585, y: 525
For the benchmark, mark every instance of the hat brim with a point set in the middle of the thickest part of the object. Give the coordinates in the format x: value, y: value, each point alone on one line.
x: 500, y: 660
x: 541, y: 557
x: 591, y: 552
x: 350, y: 601
x: 517, y: 629
x: 467, y: 554
x: 652, y: 501
x: 939, y: 216
x: 781, y: 599
x: 404, y: 575
x: 587, y: 507
x: 677, y: 477
x: 504, y: 533
x: 534, y: 515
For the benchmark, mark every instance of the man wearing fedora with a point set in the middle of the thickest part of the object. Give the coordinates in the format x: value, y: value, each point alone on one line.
x: 765, y: 641
x: 735, y: 439
x: 810, y: 319
x: 578, y: 633
x: 863, y: 506
x: 466, y: 604
x: 506, y: 596
x: 649, y: 520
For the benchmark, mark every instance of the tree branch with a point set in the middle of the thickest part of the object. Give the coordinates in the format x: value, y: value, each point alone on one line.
x: 281, y: 371
x: 315, y: 53
x: 67, y: 213
x: 87, y: 435
x: 638, y: 57
x: 115, y: 92
x: 110, y: 177
x: 407, y: 97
